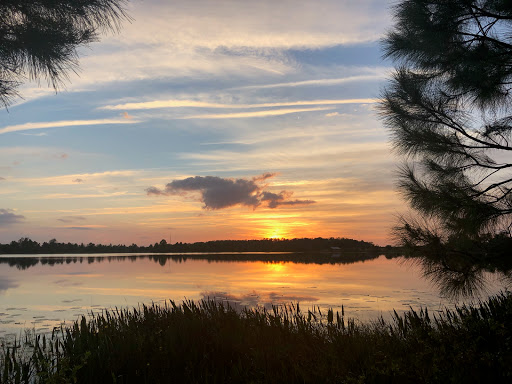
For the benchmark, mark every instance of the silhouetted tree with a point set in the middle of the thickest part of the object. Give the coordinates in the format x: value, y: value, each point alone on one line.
x: 39, y: 38
x: 448, y: 106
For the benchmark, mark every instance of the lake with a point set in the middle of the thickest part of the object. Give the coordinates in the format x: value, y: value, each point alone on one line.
x: 41, y: 292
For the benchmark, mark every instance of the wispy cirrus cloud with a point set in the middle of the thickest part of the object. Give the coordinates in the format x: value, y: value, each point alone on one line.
x: 172, y: 103
x: 63, y: 123
x: 246, y: 114
x: 85, y: 227
x: 264, y: 24
x: 40, y: 134
x: 71, y: 179
x: 84, y: 195
x: 71, y: 219
x: 316, y: 82
x: 218, y: 193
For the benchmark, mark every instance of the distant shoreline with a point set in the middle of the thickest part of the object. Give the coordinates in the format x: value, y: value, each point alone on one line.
x: 24, y: 261
x: 317, y: 245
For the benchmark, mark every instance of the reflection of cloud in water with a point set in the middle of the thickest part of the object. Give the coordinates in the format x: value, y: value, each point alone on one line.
x: 253, y: 299
x: 67, y: 283
x: 6, y: 283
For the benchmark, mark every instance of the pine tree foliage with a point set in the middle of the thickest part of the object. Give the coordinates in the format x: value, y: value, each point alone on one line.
x: 39, y: 38
x: 449, y: 108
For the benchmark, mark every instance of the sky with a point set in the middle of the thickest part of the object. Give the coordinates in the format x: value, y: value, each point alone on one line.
x: 206, y: 120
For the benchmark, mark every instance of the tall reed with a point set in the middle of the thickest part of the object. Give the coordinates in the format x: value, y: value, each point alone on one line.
x: 212, y: 342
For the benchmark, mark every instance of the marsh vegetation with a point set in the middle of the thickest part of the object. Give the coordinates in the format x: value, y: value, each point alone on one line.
x: 208, y: 341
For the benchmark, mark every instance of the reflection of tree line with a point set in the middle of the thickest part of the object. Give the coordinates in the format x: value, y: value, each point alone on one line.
x: 303, y: 258
x: 454, y: 274
x: 28, y: 246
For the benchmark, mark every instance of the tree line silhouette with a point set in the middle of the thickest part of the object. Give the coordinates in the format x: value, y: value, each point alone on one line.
x: 337, y: 245
x: 305, y: 251
x: 319, y: 244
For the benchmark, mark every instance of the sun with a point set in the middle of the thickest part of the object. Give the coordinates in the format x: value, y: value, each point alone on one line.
x: 276, y: 233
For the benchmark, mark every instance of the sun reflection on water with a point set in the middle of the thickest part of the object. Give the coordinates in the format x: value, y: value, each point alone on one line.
x: 276, y: 267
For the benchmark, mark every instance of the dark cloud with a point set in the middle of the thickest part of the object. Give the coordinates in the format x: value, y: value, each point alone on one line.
x: 71, y: 219
x: 217, y: 193
x: 2, y: 178
x: 79, y: 181
x: 8, y: 217
x: 68, y: 283
x: 154, y: 191
x: 274, y: 200
x: 264, y: 176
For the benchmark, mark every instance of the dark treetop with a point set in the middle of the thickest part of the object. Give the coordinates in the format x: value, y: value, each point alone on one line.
x: 39, y: 38
x: 448, y: 107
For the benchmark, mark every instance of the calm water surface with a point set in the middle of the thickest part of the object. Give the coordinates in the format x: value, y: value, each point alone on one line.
x: 42, y: 292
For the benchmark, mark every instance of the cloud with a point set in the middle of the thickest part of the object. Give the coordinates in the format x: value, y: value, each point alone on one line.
x: 317, y: 82
x: 2, y: 178
x: 189, y: 39
x: 81, y: 228
x: 71, y: 219
x: 64, y: 123
x: 127, y: 116
x: 274, y: 200
x: 85, y: 227
x: 40, y: 134
x: 239, y: 115
x: 8, y: 217
x: 84, y: 196
x: 333, y: 114
x: 98, y: 178
x: 264, y: 176
x: 154, y: 191
x: 6, y: 283
x: 218, y: 193
x: 264, y: 23
x: 255, y: 298
x: 171, y: 103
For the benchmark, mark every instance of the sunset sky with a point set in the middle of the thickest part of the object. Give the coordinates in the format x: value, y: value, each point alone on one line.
x: 207, y: 120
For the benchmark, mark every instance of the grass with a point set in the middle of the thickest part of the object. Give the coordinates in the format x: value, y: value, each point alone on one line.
x: 210, y: 342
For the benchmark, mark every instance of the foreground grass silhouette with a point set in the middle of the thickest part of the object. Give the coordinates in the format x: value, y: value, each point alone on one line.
x: 209, y: 342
